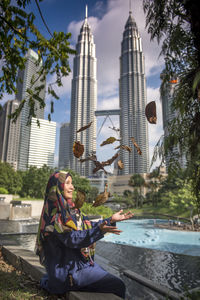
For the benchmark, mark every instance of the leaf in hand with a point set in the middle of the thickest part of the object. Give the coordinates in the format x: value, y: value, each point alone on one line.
x: 85, y: 127
x: 150, y: 112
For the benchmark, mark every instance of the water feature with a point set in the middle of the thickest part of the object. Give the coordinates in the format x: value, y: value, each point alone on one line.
x: 143, y: 233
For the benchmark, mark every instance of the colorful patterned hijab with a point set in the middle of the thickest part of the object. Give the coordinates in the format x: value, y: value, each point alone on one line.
x: 58, y: 214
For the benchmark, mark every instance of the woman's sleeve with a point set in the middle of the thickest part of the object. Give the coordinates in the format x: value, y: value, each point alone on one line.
x: 101, y: 221
x: 80, y: 238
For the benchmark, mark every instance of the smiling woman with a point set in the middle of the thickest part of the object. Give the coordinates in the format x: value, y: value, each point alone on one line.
x: 66, y: 243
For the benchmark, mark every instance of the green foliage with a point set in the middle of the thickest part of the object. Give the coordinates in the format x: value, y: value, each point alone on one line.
x: 103, y: 211
x: 35, y: 181
x: 92, y: 194
x: 18, y: 33
x: 176, y: 24
x: 137, y: 181
x: 9, y: 179
x: 3, y: 190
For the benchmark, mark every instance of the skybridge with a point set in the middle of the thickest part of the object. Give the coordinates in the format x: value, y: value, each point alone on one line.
x: 107, y: 112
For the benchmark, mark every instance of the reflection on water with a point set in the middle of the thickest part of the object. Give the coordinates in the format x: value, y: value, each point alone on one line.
x: 175, y: 271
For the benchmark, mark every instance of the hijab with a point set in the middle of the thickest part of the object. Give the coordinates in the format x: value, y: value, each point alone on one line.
x: 58, y: 214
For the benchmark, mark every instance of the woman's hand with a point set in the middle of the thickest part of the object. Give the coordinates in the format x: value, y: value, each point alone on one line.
x: 120, y: 216
x: 112, y: 229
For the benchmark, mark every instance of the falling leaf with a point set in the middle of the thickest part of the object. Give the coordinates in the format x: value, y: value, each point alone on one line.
x: 102, y: 198
x: 120, y: 164
x: 78, y: 149
x: 136, y: 146
x: 91, y: 157
x: 150, y: 112
x: 85, y: 127
x: 109, y: 161
x: 80, y: 199
x: 110, y: 140
x: 114, y: 128
x: 129, y: 149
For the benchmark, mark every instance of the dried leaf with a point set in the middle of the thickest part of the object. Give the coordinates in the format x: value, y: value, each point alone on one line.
x: 78, y: 149
x: 80, y: 199
x: 136, y: 146
x: 150, y: 112
x: 110, y: 140
x: 91, y: 157
x: 85, y: 127
x: 102, y: 198
x: 120, y: 164
x: 125, y: 147
x: 109, y: 161
x: 114, y: 128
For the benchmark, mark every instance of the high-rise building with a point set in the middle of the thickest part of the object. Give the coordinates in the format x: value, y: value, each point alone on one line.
x: 84, y: 99
x: 42, y: 143
x: 168, y: 113
x: 132, y: 94
x: 64, y: 145
x: 25, y: 78
x: 9, y: 134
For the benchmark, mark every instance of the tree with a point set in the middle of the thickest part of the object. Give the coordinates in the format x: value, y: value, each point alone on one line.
x: 137, y: 181
x: 18, y: 33
x: 176, y: 24
x: 9, y: 179
x: 35, y: 181
x: 92, y: 194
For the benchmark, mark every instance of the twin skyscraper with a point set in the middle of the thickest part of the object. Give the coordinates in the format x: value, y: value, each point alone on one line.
x: 132, y: 99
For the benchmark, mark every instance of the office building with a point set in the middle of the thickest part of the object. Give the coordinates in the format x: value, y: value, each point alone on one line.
x: 42, y: 143
x: 25, y: 79
x: 64, y: 144
x: 132, y: 94
x: 9, y: 134
x: 84, y: 99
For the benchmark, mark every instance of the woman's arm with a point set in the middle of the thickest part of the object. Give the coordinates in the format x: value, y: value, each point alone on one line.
x: 84, y: 238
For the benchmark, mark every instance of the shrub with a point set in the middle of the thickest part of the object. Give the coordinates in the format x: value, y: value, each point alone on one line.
x: 3, y: 190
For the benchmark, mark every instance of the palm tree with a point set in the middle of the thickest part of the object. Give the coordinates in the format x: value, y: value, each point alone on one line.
x: 137, y: 181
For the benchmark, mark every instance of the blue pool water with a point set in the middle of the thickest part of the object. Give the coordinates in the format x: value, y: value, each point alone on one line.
x: 143, y: 233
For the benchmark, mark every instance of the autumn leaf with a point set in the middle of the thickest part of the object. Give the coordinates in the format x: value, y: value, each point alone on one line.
x: 150, y: 112
x: 78, y: 149
x: 136, y: 146
x: 125, y: 147
x: 109, y: 140
x: 120, y: 164
x: 85, y: 127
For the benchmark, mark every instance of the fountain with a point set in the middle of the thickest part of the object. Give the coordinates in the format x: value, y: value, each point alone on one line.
x: 16, y: 217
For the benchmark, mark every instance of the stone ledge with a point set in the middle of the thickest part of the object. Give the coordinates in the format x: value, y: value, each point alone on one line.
x: 28, y: 262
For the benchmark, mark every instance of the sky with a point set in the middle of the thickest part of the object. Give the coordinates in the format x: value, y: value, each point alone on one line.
x: 107, y: 19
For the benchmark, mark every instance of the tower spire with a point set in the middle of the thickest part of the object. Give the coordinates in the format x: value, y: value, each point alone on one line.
x: 130, y: 7
x: 86, y: 12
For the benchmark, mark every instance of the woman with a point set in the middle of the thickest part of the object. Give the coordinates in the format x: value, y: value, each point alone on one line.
x: 65, y: 243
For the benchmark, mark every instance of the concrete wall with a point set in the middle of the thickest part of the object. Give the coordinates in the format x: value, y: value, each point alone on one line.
x: 37, y: 206
x: 8, y: 198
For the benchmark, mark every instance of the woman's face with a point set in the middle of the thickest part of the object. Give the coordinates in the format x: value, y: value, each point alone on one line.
x: 68, y: 188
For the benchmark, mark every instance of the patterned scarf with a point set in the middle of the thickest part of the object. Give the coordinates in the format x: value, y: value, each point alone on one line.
x: 59, y: 214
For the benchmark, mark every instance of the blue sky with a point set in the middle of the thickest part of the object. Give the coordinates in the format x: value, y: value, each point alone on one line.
x: 107, y: 19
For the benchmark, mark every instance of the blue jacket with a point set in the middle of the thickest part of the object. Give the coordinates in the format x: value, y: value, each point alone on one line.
x: 67, y: 269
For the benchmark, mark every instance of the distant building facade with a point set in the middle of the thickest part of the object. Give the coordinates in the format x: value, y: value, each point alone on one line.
x: 24, y: 82
x: 169, y: 114
x: 84, y: 99
x: 132, y: 94
x: 9, y: 134
x: 42, y: 143
x: 64, y: 147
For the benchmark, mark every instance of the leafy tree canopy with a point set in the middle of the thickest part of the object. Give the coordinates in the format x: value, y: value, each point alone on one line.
x: 176, y: 25
x: 18, y: 33
x: 9, y: 179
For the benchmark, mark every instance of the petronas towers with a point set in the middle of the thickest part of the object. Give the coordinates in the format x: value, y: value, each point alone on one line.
x: 132, y: 94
